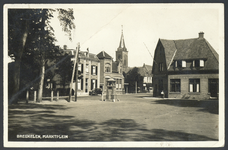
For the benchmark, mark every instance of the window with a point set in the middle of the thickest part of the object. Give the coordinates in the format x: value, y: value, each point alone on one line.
x: 79, y: 84
x: 179, y: 63
x: 183, y: 63
x: 194, y: 85
x: 198, y: 63
x: 160, y: 66
x: 87, y: 68
x: 193, y: 63
x: 175, y: 64
x: 145, y: 80
x: 80, y: 67
x: 93, y: 70
x: 175, y: 85
x: 93, y: 84
x: 86, y: 85
x: 120, y: 83
x: 201, y: 63
x: 107, y: 67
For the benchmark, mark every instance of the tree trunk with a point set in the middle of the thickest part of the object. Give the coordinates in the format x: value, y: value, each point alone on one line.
x: 16, y: 80
x: 17, y: 67
x: 42, y: 73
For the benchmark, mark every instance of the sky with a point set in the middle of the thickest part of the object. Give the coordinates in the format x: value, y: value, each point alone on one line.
x: 98, y: 27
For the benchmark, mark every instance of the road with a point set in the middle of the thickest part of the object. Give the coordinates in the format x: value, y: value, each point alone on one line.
x: 136, y: 117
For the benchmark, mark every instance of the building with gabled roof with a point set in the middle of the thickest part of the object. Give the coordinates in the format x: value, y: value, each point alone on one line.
x: 110, y: 69
x: 186, y: 68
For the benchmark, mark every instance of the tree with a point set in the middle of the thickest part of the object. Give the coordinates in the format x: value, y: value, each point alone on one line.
x: 131, y: 77
x: 29, y: 32
x: 64, y: 69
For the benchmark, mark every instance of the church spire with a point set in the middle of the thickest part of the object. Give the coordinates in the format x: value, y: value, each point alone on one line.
x: 122, y: 43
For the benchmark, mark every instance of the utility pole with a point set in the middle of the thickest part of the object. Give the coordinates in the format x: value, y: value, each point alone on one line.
x: 76, y: 74
x: 72, y: 77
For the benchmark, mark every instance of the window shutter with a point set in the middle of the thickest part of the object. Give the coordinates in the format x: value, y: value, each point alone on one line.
x: 91, y: 69
x: 197, y: 87
x: 81, y: 68
x: 96, y: 84
x: 96, y: 70
x: 81, y: 84
x: 191, y: 88
x: 91, y: 85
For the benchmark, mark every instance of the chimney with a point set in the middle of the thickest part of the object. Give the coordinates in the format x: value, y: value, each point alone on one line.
x: 87, y: 53
x: 201, y: 35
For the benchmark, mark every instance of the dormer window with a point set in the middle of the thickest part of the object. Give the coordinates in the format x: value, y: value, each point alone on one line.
x: 180, y: 63
x: 201, y: 63
x: 198, y: 63
x: 183, y: 63
x: 175, y: 64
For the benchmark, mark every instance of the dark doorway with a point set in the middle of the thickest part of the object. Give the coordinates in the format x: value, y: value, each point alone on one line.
x: 213, y: 87
x: 155, y: 90
x: 160, y: 84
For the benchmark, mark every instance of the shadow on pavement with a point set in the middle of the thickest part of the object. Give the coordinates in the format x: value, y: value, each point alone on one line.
x: 23, y: 106
x: 210, y: 106
x: 22, y: 122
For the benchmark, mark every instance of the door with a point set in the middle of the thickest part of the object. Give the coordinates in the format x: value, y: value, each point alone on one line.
x: 160, y: 85
x: 155, y: 90
x: 213, y: 87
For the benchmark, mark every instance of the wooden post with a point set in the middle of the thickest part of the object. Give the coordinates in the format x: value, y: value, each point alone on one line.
x: 102, y: 94
x: 27, y: 96
x: 136, y: 87
x: 34, y: 96
x: 57, y: 95
x: 51, y: 95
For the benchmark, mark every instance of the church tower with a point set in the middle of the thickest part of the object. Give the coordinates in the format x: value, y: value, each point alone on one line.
x: 122, y: 53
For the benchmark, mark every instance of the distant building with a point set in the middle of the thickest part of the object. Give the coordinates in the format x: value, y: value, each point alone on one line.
x: 144, y: 85
x: 122, y: 53
x: 89, y: 67
x: 146, y: 72
x: 110, y: 70
x: 186, y: 69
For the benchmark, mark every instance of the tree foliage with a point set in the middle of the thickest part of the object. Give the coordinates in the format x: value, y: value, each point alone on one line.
x: 31, y: 36
x: 131, y: 77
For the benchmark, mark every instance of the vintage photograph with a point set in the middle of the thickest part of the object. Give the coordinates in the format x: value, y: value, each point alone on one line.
x: 114, y: 75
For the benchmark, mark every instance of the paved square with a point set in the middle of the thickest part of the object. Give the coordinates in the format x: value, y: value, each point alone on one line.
x: 136, y: 117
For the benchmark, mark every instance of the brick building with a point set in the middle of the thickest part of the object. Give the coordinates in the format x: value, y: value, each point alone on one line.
x: 186, y: 68
x: 110, y: 70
